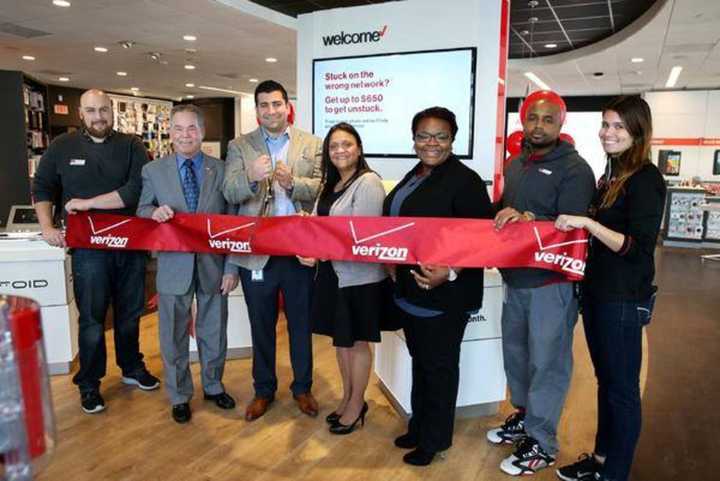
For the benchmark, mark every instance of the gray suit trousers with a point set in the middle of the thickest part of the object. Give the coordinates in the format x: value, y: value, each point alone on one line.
x: 210, y: 334
x: 537, y: 327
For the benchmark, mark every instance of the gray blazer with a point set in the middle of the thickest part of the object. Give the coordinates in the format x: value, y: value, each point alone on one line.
x: 161, y: 185
x: 364, y: 197
x: 303, y: 158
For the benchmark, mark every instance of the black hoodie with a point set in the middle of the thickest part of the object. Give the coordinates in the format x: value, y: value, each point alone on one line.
x: 560, y: 182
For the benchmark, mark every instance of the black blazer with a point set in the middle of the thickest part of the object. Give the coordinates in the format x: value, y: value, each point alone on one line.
x: 452, y: 190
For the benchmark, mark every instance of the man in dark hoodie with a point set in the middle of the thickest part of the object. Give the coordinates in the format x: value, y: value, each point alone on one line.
x: 547, y: 179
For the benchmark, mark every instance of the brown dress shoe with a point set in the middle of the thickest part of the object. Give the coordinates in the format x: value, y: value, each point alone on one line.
x: 307, y: 404
x: 257, y: 408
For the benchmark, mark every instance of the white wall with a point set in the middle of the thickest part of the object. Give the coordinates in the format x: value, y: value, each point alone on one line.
x: 412, y: 26
x: 687, y: 115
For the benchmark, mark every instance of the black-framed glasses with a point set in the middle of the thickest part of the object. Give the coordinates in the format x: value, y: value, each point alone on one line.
x: 440, y: 137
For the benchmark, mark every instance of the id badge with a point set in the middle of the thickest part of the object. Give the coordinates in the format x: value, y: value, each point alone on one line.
x: 257, y: 276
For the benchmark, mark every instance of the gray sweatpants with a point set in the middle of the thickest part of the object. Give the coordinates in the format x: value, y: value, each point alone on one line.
x: 537, y: 326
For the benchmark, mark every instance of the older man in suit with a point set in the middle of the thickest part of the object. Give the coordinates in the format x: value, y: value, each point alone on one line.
x: 273, y: 171
x: 190, y: 181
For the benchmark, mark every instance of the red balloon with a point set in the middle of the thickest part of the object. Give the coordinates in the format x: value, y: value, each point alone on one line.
x: 567, y: 138
x: 547, y: 95
x: 513, y: 144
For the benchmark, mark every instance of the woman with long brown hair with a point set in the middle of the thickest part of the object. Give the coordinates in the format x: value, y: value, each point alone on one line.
x: 618, y: 294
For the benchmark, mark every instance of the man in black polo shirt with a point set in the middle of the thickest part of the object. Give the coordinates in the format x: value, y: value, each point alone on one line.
x: 98, y: 168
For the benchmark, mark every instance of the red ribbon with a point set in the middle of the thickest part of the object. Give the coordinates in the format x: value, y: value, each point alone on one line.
x: 391, y: 240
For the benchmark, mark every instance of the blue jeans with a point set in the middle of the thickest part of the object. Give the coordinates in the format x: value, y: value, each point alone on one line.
x: 102, y: 277
x: 614, y: 337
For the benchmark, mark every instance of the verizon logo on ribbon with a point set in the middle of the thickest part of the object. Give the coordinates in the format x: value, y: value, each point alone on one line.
x: 226, y: 244
x: 108, y: 240
x: 379, y: 251
x: 565, y: 261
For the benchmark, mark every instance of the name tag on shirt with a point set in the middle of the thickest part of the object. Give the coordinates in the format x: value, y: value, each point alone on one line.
x: 545, y: 171
x: 78, y: 162
x: 257, y: 275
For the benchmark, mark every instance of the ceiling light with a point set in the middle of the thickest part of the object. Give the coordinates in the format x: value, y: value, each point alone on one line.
x: 271, y: 60
x: 61, y: 3
x: 190, y: 50
x: 217, y: 89
x: 189, y: 38
x: 135, y: 89
x: 536, y: 80
x: 121, y: 74
x: 674, y: 74
x: 155, y: 56
x: 100, y: 49
x: 64, y: 79
x: 189, y: 67
x: 28, y: 57
x: 127, y: 44
x: 637, y: 60
x: 190, y: 85
x: 550, y: 45
x: 189, y: 96
x: 253, y: 80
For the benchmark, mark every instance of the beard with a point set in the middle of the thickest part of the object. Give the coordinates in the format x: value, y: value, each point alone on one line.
x: 541, y: 145
x: 99, y: 129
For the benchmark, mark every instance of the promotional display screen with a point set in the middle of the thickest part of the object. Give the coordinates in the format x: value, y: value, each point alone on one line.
x: 380, y: 94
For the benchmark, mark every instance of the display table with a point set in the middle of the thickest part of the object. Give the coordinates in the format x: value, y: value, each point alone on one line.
x: 34, y: 269
x: 712, y: 230
x: 238, y: 330
x: 482, y: 374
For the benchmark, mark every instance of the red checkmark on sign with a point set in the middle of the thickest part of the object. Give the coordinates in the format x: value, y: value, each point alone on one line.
x: 382, y: 32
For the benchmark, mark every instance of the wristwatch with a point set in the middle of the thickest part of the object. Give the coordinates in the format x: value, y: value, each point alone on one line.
x: 452, y: 275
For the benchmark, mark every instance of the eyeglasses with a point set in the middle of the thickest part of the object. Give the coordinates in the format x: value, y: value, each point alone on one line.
x: 425, y: 137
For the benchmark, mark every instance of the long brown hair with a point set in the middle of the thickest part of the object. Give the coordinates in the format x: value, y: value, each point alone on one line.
x: 330, y: 174
x: 637, y: 118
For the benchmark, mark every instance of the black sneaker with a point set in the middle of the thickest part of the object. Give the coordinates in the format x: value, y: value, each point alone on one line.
x: 512, y: 430
x: 142, y: 379
x: 528, y: 458
x: 92, y: 402
x: 585, y: 466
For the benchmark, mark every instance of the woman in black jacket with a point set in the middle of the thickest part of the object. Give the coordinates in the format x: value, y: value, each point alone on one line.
x: 618, y: 292
x: 435, y: 300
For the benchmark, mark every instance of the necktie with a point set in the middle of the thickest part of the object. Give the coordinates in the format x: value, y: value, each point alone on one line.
x: 191, y: 191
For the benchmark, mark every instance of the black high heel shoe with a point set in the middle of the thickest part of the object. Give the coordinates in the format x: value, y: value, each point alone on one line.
x: 340, y: 428
x: 332, y: 418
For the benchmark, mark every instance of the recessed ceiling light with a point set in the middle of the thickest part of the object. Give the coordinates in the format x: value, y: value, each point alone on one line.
x: 191, y: 50
x: 253, y: 80
x: 271, y: 60
x: 637, y: 60
x: 100, y: 49
x: 135, y: 89
x: 673, y: 77
x: 61, y: 3
x: 190, y: 85
x: 550, y: 45
x: 189, y: 96
x: 64, y: 79
x: 189, y: 38
x: 189, y: 67
x: 121, y: 74
x: 536, y: 80
x: 127, y: 44
x: 28, y: 57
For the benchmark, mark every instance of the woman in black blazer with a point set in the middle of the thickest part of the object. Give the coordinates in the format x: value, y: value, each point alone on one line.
x: 435, y: 300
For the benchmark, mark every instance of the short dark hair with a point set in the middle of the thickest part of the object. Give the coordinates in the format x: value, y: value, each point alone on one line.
x: 269, y: 86
x: 435, y: 113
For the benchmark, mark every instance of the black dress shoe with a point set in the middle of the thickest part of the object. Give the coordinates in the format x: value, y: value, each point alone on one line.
x: 181, y: 413
x: 332, y: 418
x: 419, y: 457
x: 222, y: 400
x: 406, y: 441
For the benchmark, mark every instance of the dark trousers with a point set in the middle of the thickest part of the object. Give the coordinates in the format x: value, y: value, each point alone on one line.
x: 295, y: 281
x: 614, y: 337
x: 102, y: 277
x: 434, y: 345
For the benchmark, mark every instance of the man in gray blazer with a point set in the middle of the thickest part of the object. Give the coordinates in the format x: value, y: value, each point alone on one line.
x: 275, y: 170
x: 190, y: 181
